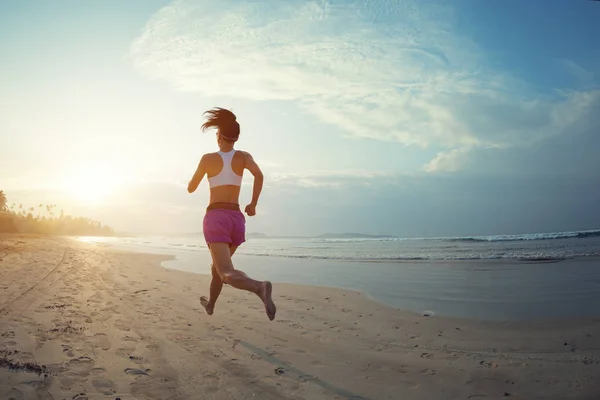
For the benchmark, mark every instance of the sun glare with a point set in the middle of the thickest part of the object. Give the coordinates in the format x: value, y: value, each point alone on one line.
x: 93, y: 184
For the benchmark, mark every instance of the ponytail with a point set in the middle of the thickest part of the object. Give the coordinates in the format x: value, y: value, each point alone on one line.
x: 225, y: 122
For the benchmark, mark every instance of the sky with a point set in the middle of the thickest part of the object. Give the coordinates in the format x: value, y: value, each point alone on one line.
x: 410, y: 118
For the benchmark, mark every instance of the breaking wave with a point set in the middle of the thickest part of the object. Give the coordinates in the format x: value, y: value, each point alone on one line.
x: 527, y: 236
x: 431, y: 257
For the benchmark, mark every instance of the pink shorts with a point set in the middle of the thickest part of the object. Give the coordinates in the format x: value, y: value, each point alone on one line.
x: 224, y: 226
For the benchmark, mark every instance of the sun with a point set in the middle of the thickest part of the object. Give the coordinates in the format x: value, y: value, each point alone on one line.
x: 92, y: 184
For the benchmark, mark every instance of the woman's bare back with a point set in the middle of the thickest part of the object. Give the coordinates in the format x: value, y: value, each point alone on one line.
x: 214, y: 165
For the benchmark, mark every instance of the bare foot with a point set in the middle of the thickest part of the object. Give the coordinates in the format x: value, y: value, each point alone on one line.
x: 265, y: 296
x: 207, y: 306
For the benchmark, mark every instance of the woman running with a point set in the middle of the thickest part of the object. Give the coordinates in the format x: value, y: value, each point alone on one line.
x: 224, y: 224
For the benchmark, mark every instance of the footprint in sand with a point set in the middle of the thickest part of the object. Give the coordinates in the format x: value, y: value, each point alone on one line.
x: 101, y: 340
x: 95, y: 299
x: 66, y: 382
x: 211, y: 381
x: 122, y: 326
x: 590, y: 362
x: 26, y: 356
x: 81, y: 365
x: 40, y: 388
x: 15, y: 394
x: 130, y: 339
x: 81, y: 360
x: 79, y: 317
x: 80, y: 396
x: 488, y: 364
x: 97, y: 371
x: 135, y: 371
x: 429, y: 372
x: 427, y: 355
x: 68, y: 350
x: 153, y: 347
x: 104, y: 386
x: 139, y: 360
x: 126, y: 353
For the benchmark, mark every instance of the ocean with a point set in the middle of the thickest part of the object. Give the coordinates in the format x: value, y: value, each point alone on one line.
x: 502, y: 277
x: 534, y: 247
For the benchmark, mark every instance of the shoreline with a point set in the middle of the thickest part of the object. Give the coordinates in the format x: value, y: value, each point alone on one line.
x: 376, y: 251
x: 430, y: 313
x: 491, y: 290
x: 198, y: 248
x: 101, y: 323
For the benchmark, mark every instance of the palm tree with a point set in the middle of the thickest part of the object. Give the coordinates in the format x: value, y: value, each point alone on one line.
x: 2, y: 201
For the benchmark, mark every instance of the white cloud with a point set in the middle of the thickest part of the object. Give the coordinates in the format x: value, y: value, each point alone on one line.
x: 329, y: 178
x: 387, y: 70
x: 449, y: 161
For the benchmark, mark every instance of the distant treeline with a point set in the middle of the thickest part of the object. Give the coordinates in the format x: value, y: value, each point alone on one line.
x: 43, y: 219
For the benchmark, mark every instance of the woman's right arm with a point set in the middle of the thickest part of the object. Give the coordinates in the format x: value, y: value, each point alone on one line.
x: 198, y: 175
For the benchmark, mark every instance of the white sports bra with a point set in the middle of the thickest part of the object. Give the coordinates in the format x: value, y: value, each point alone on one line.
x: 226, y: 176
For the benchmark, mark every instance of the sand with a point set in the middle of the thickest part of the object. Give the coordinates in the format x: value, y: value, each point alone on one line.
x: 79, y: 321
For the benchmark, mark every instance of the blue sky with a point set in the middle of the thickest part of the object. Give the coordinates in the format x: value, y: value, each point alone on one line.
x: 415, y: 118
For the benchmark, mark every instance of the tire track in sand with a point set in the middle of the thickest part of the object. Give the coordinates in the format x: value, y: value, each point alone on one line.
x: 4, y: 308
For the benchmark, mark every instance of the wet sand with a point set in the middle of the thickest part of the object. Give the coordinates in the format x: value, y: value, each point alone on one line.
x: 80, y: 321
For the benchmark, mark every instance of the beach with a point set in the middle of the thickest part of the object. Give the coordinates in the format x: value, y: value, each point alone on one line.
x: 86, y: 321
x: 499, y: 278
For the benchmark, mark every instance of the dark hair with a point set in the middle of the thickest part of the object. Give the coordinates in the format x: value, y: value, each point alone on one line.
x: 225, y: 121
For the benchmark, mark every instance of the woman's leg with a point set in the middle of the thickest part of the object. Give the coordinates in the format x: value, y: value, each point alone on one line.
x: 222, y: 260
x: 216, y: 285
